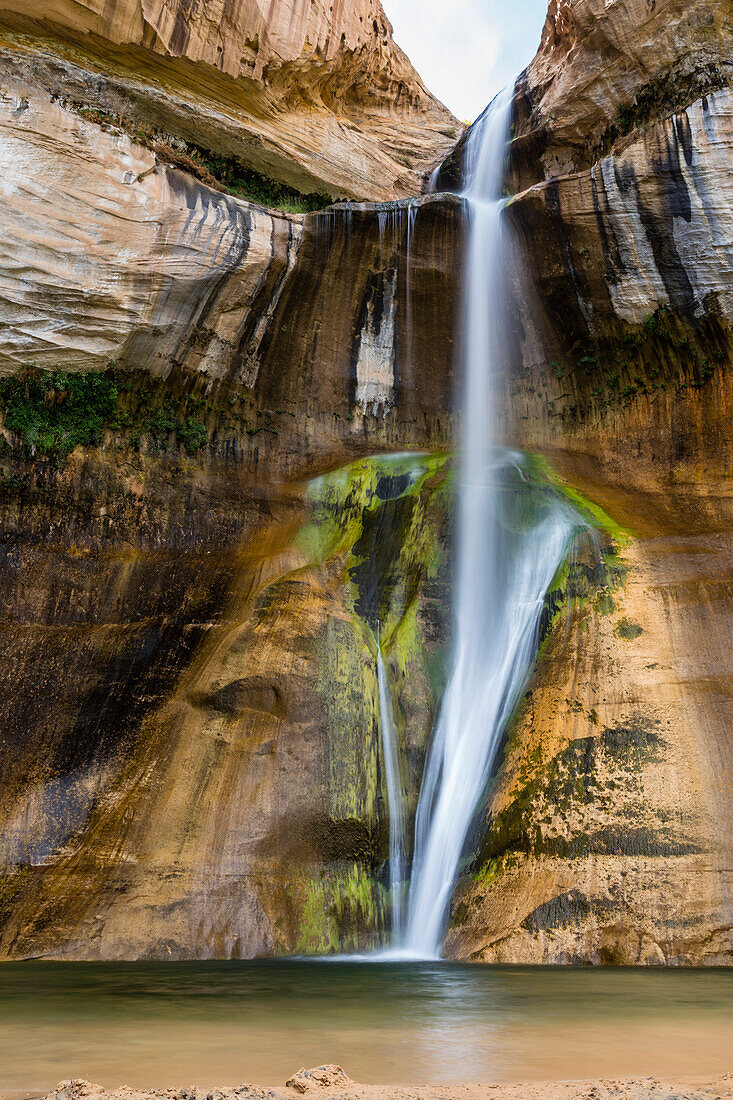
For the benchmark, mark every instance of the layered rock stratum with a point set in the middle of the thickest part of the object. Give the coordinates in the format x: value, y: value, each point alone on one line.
x: 199, y: 545
x: 607, y: 67
x: 315, y: 95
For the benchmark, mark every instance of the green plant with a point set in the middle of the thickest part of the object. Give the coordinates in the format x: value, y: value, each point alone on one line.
x: 159, y: 425
x: 52, y: 412
x: 55, y: 411
x: 193, y: 435
x: 231, y: 175
x: 628, y: 630
x: 656, y: 323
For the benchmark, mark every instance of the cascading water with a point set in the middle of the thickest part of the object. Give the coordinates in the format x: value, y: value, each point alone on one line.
x: 395, y: 797
x: 503, y: 573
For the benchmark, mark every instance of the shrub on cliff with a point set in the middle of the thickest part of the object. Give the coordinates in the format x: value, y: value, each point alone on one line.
x: 55, y: 410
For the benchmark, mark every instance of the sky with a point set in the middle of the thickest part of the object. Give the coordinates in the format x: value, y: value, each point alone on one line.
x: 467, y: 50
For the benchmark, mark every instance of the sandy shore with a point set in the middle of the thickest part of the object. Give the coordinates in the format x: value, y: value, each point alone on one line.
x: 330, y: 1083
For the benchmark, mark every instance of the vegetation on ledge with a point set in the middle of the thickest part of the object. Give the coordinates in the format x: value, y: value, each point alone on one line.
x: 226, y: 174
x: 52, y: 412
x: 668, y: 93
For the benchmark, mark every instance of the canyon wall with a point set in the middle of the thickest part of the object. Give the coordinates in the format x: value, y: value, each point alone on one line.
x: 607, y: 68
x: 197, y: 556
x: 110, y: 258
x: 607, y: 835
x: 317, y: 97
x: 199, y: 544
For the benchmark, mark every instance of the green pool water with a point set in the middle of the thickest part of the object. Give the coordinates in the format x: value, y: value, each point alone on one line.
x: 229, y: 1023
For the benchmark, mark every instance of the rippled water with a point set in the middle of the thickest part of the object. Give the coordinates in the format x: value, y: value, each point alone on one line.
x: 176, y: 1024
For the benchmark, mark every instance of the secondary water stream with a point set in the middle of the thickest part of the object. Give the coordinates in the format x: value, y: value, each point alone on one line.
x: 395, y: 797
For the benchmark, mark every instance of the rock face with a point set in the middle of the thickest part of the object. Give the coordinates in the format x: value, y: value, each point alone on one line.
x: 199, y: 544
x: 110, y: 257
x: 191, y: 762
x: 189, y: 660
x: 608, y: 67
x: 632, y: 280
x: 317, y: 96
x: 609, y: 839
x: 608, y: 832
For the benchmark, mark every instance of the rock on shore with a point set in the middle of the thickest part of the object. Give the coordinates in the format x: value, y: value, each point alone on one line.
x: 330, y: 1081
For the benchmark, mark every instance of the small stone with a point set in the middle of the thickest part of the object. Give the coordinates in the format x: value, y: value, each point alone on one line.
x: 322, y: 1077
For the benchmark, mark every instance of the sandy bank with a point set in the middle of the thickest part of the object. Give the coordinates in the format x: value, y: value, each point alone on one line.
x: 335, y: 1085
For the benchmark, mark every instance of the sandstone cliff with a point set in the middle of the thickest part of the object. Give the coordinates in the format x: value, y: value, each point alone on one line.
x: 313, y: 96
x: 609, y: 827
x: 606, y: 68
x: 189, y: 608
x: 198, y: 545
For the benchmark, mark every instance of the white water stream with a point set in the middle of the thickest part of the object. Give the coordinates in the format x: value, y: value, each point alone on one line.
x: 511, y: 538
x: 501, y: 580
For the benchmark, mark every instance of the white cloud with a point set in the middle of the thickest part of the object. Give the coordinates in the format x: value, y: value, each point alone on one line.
x: 467, y: 50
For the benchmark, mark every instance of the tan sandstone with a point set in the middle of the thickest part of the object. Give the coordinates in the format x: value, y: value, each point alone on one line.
x: 598, y: 57
x: 318, y: 96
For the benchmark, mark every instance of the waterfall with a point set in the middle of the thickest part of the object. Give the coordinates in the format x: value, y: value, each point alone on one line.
x: 395, y: 796
x: 503, y: 573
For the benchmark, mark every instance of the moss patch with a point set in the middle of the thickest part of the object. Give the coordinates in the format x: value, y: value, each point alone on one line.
x: 569, y: 908
x: 593, y: 514
x: 626, y: 629
x: 374, y: 535
x: 336, y: 910
x: 595, y: 771
x: 378, y: 513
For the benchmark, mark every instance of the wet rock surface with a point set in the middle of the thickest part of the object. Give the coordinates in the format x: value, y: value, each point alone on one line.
x: 190, y: 757
x: 226, y: 744
x: 608, y: 835
x: 632, y: 307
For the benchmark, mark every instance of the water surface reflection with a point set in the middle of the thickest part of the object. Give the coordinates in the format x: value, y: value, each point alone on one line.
x: 176, y: 1024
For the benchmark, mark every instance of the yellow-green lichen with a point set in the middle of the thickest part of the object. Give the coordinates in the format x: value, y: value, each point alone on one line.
x: 341, y: 912
x: 378, y: 524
